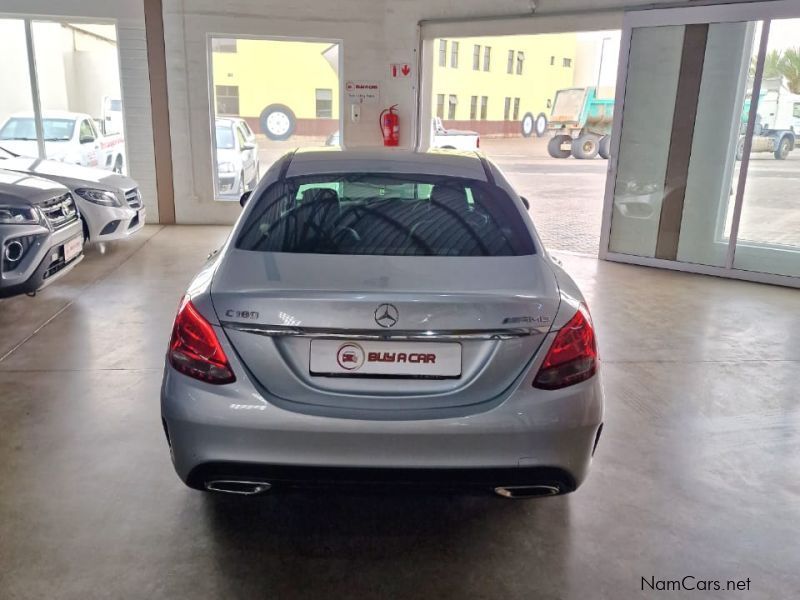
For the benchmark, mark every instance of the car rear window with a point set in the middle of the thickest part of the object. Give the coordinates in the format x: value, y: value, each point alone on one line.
x: 385, y: 214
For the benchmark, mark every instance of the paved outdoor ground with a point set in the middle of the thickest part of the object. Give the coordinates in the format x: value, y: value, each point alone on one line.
x: 566, y: 195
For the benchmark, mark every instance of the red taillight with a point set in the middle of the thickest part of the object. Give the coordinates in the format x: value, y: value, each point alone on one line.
x: 572, y: 357
x: 194, y: 349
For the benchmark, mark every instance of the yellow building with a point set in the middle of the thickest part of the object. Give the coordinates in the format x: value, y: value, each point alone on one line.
x: 490, y: 84
x: 281, y: 88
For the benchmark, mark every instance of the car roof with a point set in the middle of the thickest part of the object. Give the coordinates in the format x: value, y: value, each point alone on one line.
x: 52, y: 114
x: 450, y: 163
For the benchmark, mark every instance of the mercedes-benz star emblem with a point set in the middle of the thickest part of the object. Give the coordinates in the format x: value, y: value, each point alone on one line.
x: 386, y: 315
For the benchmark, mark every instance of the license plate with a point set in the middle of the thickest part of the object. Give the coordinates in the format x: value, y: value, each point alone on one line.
x: 399, y: 359
x: 73, y: 248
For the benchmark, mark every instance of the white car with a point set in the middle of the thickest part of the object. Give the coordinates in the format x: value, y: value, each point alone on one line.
x: 453, y: 139
x: 383, y: 315
x: 68, y: 137
x: 110, y: 204
x: 238, y: 169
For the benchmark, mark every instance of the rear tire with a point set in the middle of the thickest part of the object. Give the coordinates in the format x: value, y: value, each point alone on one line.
x: 585, y: 147
x: 604, y: 147
x: 277, y: 122
x: 554, y: 146
x: 784, y: 147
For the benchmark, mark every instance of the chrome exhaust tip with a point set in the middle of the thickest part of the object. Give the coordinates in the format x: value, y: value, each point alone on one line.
x: 14, y: 251
x: 238, y: 487
x: 527, y: 491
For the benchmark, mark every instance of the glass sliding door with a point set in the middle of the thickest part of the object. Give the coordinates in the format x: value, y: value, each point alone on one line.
x: 704, y: 149
x: 769, y: 229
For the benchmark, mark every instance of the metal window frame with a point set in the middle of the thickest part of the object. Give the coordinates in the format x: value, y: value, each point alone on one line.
x: 764, y: 11
x: 209, y: 35
x: 33, y: 74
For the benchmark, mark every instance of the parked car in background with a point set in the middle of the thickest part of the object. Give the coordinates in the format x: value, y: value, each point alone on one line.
x: 238, y: 168
x: 40, y: 233
x: 68, y: 137
x: 110, y: 204
x: 453, y: 139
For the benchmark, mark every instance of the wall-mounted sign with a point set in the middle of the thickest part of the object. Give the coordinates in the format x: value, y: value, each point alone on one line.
x: 362, y: 92
x: 399, y: 70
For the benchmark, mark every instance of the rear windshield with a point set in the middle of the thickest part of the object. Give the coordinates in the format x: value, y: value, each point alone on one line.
x: 386, y: 214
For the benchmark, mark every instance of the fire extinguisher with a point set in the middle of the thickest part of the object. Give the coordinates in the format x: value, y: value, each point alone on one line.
x: 390, y: 126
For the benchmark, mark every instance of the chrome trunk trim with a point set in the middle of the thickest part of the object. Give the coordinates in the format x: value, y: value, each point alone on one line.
x: 366, y: 334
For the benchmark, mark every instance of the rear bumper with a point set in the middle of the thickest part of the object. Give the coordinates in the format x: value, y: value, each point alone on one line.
x: 234, y: 431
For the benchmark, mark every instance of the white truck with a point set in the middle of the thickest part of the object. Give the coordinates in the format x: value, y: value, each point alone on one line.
x: 68, y: 137
x: 777, y: 127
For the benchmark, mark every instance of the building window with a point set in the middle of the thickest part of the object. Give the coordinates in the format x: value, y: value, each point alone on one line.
x: 520, y: 62
x: 454, y: 54
x: 487, y: 58
x: 567, y: 62
x: 510, y: 66
x: 451, y: 107
x: 324, y: 100
x: 476, y: 58
x: 227, y: 99
x: 484, y: 107
x: 223, y: 45
x: 473, y: 108
x: 516, y: 109
x: 552, y: 60
x: 440, y: 106
x: 507, y: 109
x: 442, y: 53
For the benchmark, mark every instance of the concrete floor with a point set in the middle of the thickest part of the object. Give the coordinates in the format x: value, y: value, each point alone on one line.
x: 696, y: 473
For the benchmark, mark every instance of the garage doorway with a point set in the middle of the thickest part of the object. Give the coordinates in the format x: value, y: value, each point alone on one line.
x: 61, y: 96
x: 707, y: 144
x: 540, y: 106
x: 267, y: 97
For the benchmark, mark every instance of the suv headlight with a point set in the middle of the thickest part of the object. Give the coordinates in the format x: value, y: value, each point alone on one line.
x: 98, y: 197
x: 19, y: 215
x: 226, y: 167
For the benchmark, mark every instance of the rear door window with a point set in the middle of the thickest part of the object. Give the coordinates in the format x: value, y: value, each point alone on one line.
x: 386, y: 214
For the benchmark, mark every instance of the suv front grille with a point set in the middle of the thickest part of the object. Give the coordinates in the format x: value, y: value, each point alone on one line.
x: 133, y: 198
x: 60, y: 211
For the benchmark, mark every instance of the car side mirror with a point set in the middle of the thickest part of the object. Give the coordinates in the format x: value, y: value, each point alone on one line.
x: 248, y: 146
x: 87, y: 139
x: 245, y: 197
x: 525, y: 202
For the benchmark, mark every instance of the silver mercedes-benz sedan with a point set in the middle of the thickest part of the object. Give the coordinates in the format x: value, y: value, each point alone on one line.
x: 384, y: 317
